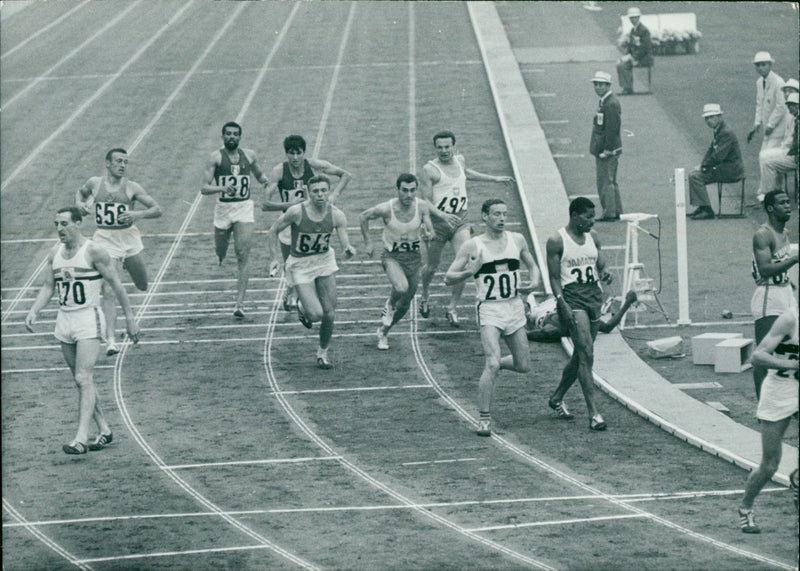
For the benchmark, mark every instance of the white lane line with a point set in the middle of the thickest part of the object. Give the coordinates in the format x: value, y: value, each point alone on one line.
x: 253, y: 462
x: 541, y: 94
x: 687, y: 386
x: 47, y: 370
x: 350, y: 389
x: 44, y: 29
x: 554, y: 122
x: 378, y: 507
x: 555, y: 522
x: 425, y: 462
x: 568, y: 155
x: 100, y: 91
x: 155, y: 554
x: 69, y: 55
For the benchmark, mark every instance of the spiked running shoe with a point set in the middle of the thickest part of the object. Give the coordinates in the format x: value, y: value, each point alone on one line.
x: 597, y: 423
x: 452, y: 317
x: 383, y: 340
x: 302, y: 316
x: 112, y: 349
x: 74, y: 447
x: 322, y: 360
x: 747, y: 521
x: 561, y: 409
x: 424, y: 308
x: 101, y: 441
x: 484, y: 428
x: 238, y: 313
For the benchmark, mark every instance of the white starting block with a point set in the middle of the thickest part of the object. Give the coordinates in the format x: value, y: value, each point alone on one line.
x: 703, y: 346
x: 732, y: 356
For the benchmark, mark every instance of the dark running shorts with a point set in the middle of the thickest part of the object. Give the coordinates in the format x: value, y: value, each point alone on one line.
x: 443, y: 232
x: 410, y: 262
x: 588, y: 297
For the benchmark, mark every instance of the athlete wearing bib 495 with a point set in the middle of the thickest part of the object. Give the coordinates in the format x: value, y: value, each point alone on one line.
x: 230, y: 173
x: 312, y: 264
x: 76, y: 268
x: 493, y: 260
x: 110, y: 200
x: 403, y: 218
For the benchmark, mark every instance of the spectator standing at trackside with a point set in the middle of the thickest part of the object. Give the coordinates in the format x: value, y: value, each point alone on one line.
x: 606, y: 146
x: 721, y: 163
x: 770, y: 107
x: 782, y: 159
x: 638, y: 50
x: 772, y: 259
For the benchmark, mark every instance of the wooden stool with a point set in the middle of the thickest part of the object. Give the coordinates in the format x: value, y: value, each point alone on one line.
x: 741, y: 200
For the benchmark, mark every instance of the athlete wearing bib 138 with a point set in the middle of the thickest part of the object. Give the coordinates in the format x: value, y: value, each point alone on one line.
x: 403, y: 219
x: 76, y: 268
x: 493, y: 260
x: 111, y: 201
x: 312, y: 264
x: 230, y: 173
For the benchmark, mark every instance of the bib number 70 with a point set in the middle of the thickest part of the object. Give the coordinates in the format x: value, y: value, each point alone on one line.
x: 78, y: 293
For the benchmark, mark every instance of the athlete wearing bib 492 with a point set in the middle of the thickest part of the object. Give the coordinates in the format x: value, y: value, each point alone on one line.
x: 110, y: 200
x: 230, y: 173
x: 312, y: 263
x: 493, y: 260
x: 576, y: 268
x: 76, y: 268
x: 403, y: 219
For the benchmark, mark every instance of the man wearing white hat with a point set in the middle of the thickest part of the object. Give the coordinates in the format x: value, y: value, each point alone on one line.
x: 781, y: 159
x: 770, y: 106
x: 606, y: 146
x: 638, y: 50
x: 721, y: 163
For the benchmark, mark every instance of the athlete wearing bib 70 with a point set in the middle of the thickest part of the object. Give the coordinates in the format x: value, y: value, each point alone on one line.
x: 76, y: 270
x: 576, y: 268
x: 403, y: 217
x: 493, y: 260
x: 111, y: 199
x: 444, y: 185
x: 312, y: 263
x: 230, y: 172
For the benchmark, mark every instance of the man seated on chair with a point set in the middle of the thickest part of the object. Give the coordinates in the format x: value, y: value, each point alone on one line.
x: 638, y: 50
x: 544, y: 324
x: 722, y: 163
x: 782, y: 159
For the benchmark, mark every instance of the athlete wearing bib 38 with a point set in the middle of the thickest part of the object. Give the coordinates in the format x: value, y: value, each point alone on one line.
x: 111, y: 200
x: 230, y: 172
x: 76, y: 270
x: 444, y: 185
x: 493, y: 260
x: 312, y: 263
x: 403, y: 218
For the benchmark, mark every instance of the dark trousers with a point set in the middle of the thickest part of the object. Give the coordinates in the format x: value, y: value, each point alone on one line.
x: 607, y: 186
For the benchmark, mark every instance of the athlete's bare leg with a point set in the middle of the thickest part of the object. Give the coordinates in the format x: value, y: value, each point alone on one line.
x: 326, y: 293
x: 81, y: 358
x: 109, y: 305
x: 137, y: 270
x: 222, y: 237
x: 434, y: 255
x: 402, y: 291
x: 242, y: 242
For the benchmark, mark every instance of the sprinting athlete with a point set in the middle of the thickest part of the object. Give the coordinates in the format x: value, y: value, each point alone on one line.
x: 112, y: 199
x: 228, y: 173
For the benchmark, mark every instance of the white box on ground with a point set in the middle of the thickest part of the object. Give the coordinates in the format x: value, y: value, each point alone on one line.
x: 703, y: 346
x: 732, y: 356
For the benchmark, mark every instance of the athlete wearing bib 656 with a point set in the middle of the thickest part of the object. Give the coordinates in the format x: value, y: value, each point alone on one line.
x: 576, y: 268
x: 312, y: 263
x: 444, y: 184
x: 230, y: 173
x: 110, y: 200
x: 76, y: 270
x: 403, y: 218
x: 493, y: 260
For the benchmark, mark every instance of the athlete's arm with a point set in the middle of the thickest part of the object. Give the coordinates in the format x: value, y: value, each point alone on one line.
x: 340, y: 226
x: 605, y: 275
x: 762, y: 253
x: 763, y: 355
x: 209, y: 184
x: 255, y: 167
x: 84, y: 197
x: 330, y: 169
x: 475, y: 175
x: 527, y: 259
x: 555, y: 249
x: 378, y: 211
x: 45, y: 293
x: 466, y: 263
x: 291, y: 216
x: 272, y: 188
x: 152, y: 209
x: 425, y: 212
x: 101, y: 261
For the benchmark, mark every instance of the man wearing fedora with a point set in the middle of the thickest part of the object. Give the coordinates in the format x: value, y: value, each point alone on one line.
x: 606, y: 146
x: 770, y: 105
x: 638, y: 51
x: 721, y: 163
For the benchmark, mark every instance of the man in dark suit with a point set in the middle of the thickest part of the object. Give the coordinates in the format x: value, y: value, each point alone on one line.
x: 722, y: 163
x: 606, y: 146
x: 638, y: 51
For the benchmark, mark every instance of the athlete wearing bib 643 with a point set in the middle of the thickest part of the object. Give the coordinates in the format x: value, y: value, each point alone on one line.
x: 111, y: 200
x: 312, y: 263
x: 76, y: 270
x: 230, y: 173
x: 403, y: 218
x: 493, y: 260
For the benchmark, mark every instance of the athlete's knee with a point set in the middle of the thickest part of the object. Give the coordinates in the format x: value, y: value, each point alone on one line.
x: 522, y: 365
x: 492, y: 364
x: 769, y: 465
x: 84, y: 378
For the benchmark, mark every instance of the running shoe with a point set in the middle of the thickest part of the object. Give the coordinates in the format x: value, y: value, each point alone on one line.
x: 74, y: 447
x: 101, y: 441
x: 561, y: 409
x: 484, y: 428
x: 747, y: 521
x: 387, y: 313
x: 597, y: 423
x: 424, y: 308
x: 452, y: 317
x: 383, y: 340
x: 302, y: 316
x: 238, y: 313
x: 111, y: 349
x: 289, y: 302
x: 322, y: 359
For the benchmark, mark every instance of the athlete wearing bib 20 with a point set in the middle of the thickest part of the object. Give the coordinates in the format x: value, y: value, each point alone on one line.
x: 496, y: 283
x: 311, y: 254
x: 450, y: 196
x: 235, y: 205
x: 78, y: 286
x: 401, y: 241
x: 579, y: 276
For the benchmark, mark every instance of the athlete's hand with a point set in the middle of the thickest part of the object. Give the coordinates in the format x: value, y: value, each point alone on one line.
x: 30, y: 319
x: 452, y: 220
x: 527, y: 289
x: 274, y: 268
x: 349, y: 251
x: 127, y: 217
x: 565, y: 312
x: 133, y: 331
x: 505, y: 179
x: 369, y: 249
x: 606, y: 277
x: 230, y: 190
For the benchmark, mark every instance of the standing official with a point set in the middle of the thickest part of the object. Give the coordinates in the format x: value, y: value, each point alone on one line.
x: 770, y: 105
x: 606, y: 146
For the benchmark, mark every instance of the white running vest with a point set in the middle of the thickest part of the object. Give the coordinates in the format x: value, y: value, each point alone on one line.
x: 450, y: 193
x: 78, y: 284
x: 578, y: 262
x: 498, y: 277
x: 402, y: 236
